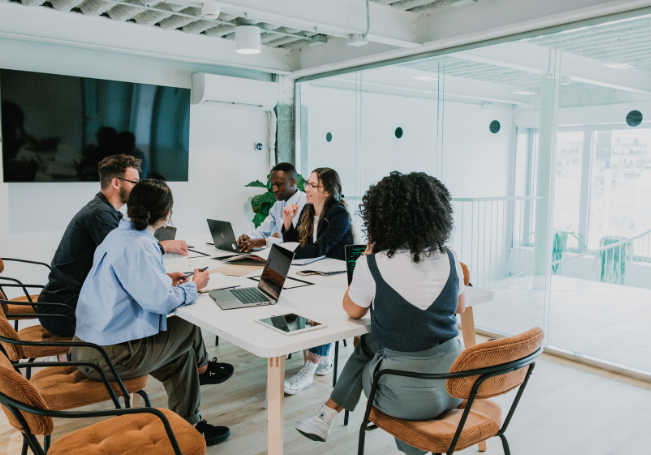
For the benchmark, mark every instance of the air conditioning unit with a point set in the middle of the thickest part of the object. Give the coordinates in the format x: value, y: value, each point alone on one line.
x: 234, y: 92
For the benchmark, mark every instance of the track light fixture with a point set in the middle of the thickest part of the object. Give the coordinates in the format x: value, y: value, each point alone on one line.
x: 210, y: 10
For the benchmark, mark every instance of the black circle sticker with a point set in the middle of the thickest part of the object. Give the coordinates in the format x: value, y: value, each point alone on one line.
x: 495, y: 126
x: 329, y: 137
x: 634, y: 118
x: 398, y: 132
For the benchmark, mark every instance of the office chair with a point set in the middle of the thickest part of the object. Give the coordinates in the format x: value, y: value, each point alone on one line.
x: 11, y: 308
x: 480, y: 372
x: 146, y: 431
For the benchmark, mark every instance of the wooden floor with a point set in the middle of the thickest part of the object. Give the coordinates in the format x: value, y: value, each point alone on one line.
x: 567, y: 409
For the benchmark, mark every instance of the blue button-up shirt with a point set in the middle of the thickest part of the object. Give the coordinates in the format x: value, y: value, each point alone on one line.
x: 275, y: 220
x: 127, y: 293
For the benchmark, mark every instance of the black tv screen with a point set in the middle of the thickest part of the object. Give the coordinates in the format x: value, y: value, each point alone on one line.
x: 58, y: 128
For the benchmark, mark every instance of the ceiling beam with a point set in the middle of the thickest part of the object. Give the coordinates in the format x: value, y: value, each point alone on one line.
x: 49, y: 26
x: 536, y: 59
x: 339, y: 18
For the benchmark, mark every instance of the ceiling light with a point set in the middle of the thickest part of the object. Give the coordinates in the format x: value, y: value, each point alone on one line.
x: 618, y: 66
x: 210, y: 10
x: 525, y: 93
x: 247, y: 39
x: 422, y: 77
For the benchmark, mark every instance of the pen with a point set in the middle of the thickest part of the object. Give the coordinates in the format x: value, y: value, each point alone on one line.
x: 189, y: 274
x: 230, y: 287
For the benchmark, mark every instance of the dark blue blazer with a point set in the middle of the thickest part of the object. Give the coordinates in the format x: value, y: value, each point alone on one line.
x: 332, y: 235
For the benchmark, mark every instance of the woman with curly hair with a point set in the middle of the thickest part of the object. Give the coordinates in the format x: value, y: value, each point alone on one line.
x: 413, y: 285
x: 323, y: 229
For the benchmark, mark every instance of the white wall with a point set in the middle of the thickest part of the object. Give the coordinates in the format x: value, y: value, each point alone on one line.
x: 223, y: 159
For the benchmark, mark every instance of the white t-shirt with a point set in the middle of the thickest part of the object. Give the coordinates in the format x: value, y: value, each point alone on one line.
x: 419, y: 284
x: 316, y: 224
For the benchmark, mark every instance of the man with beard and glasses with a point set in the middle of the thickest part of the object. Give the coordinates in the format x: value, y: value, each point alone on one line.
x: 73, y: 259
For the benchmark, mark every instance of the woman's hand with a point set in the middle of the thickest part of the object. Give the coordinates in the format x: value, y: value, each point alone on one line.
x: 201, y: 278
x: 177, y: 278
x: 289, y: 213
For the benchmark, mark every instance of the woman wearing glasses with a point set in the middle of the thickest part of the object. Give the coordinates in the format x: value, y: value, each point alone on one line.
x: 323, y: 229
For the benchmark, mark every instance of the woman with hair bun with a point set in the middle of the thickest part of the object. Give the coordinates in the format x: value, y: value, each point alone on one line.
x: 124, y: 303
x: 323, y: 229
x: 413, y: 285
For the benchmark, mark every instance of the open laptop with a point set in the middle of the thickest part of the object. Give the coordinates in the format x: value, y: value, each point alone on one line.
x: 352, y: 253
x: 223, y: 235
x: 269, y: 287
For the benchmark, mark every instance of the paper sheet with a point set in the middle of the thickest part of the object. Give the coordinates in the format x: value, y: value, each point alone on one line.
x: 220, y: 281
x: 237, y: 270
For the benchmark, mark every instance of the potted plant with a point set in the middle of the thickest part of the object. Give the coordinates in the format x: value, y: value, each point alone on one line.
x: 560, y: 245
x: 613, y: 260
x: 262, y: 203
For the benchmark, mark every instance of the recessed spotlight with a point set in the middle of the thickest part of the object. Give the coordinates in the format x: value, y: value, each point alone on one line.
x: 525, y: 93
x: 422, y: 77
x: 618, y: 66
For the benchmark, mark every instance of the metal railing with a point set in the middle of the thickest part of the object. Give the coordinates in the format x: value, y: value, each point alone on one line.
x: 492, y: 236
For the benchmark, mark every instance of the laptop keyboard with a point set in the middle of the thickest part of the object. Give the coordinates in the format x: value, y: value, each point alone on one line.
x: 250, y: 295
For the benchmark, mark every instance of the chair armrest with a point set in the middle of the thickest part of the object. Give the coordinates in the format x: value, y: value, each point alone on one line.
x: 92, y: 365
x: 85, y: 414
x: 116, y: 376
x: 63, y: 316
x: 19, y: 284
x: 28, y: 262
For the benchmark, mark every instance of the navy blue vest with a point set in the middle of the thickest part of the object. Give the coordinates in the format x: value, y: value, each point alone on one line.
x: 400, y: 326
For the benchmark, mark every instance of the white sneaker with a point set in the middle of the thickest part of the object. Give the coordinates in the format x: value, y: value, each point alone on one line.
x: 301, y: 380
x: 326, y: 363
x: 317, y: 427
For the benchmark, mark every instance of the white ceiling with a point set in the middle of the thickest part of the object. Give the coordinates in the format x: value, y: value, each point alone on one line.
x: 185, y: 16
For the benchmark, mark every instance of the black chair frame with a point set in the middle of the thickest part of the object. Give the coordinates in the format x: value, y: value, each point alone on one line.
x: 114, y: 373
x: 30, y: 440
x: 483, y: 373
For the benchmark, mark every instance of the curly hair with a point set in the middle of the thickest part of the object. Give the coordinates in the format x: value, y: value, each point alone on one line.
x: 407, y: 211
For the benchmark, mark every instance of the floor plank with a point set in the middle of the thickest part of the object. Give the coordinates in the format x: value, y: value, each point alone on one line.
x: 567, y: 409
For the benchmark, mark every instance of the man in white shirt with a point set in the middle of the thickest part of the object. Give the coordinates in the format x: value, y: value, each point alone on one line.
x: 283, y: 181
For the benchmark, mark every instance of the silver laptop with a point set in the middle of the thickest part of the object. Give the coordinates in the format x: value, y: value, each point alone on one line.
x: 269, y: 287
x: 223, y: 235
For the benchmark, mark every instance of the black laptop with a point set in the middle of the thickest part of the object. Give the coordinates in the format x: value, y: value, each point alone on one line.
x: 269, y: 287
x: 352, y: 253
x: 223, y: 235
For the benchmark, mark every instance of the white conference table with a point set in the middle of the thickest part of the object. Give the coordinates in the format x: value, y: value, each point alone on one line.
x: 321, y: 302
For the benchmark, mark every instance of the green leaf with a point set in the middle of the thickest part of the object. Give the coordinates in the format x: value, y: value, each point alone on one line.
x: 256, y: 184
x: 300, y: 182
x: 259, y: 218
x: 262, y: 198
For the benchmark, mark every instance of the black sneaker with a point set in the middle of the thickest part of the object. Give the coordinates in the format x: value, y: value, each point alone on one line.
x: 213, y: 434
x: 216, y: 373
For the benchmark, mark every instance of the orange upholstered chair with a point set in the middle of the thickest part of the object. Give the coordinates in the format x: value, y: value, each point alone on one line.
x: 11, y: 308
x: 466, y: 274
x: 482, y: 371
x: 145, y: 431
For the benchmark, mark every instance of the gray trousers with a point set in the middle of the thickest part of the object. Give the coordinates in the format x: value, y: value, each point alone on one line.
x: 400, y: 397
x: 172, y: 357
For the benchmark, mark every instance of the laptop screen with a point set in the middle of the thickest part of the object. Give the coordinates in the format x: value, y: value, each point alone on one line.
x: 275, y: 271
x: 352, y: 253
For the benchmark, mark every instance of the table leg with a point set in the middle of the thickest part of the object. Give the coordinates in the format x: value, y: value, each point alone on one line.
x: 469, y: 339
x: 276, y: 404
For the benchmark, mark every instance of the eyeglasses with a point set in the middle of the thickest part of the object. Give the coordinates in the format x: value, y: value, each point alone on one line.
x: 130, y: 181
x: 312, y: 185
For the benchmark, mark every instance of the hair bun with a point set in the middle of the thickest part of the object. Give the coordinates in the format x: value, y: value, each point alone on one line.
x: 139, y: 217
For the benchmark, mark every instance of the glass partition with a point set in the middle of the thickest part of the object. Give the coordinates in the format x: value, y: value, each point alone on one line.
x: 545, y: 146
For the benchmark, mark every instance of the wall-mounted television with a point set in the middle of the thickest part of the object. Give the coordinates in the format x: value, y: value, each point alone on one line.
x: 58, y: 128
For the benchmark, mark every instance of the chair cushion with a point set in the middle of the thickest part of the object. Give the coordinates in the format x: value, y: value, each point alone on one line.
x: 38, y: 333
x: 21, y: 309
x: 136, y: 434
x: 483, y: 422
x: 66, y: 388
x: 15, y: 386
